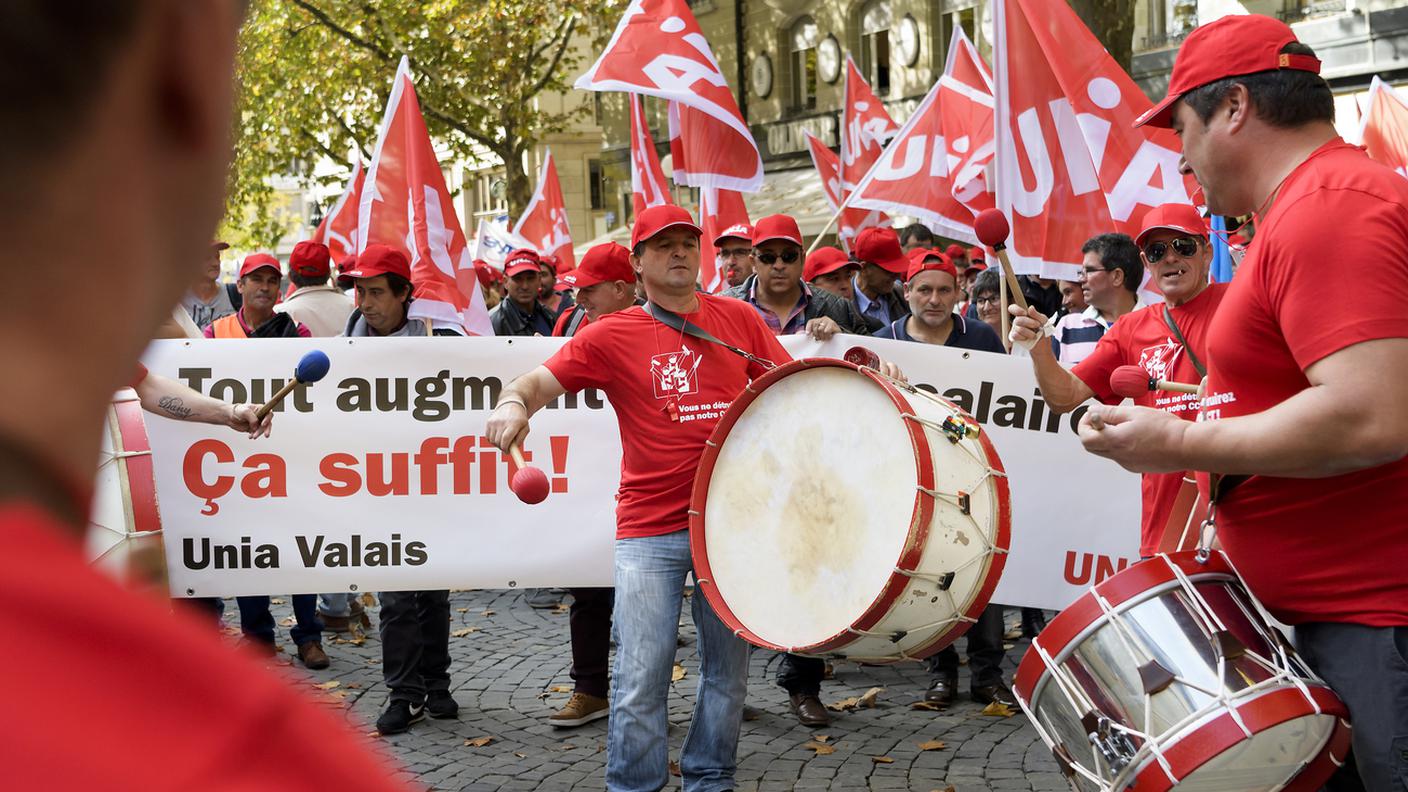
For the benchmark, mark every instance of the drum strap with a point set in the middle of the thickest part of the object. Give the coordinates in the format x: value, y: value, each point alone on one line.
x: 1192, y: 356
x: 674, y: 321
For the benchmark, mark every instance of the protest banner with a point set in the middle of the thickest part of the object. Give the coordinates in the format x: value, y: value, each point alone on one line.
x: 378, y: 477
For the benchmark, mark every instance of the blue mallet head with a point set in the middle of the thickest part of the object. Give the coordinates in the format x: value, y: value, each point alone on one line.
x: 312, y: 367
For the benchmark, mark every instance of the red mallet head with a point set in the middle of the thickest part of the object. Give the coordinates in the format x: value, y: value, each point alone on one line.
x: 1131, y: 381
x: 992, y: 229
x: 530, y: 485
x: 861, y: 356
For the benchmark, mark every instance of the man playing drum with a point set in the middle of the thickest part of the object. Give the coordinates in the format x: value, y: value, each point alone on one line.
x: 1304, y: 418
x: 1168, y: 340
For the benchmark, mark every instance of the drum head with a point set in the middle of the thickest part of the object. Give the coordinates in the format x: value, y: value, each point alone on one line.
x: 809, y: 503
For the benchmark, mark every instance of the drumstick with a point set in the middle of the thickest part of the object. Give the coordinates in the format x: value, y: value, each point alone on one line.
x: 1133, y: 381
x: 529, y: 483
x: 312, y: 367
x: 992, y: 229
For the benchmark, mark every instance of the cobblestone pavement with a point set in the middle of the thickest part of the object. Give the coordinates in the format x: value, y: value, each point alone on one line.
x: 511, y: 664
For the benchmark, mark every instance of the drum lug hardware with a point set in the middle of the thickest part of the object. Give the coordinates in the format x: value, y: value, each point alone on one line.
x: 898, y: 636
x: 1064, y: 760
x: 955, y: 429
x: 1229, y: 645
x: 1155, y: 677
x: 965, y: 503
x: 1114, y: 746
x: 945, y: 580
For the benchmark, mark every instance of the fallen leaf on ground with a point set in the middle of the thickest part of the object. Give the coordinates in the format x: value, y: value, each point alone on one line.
x: 487, y: 613
x: 867, y: 699
x: 461, y: 610
x: 948, y: 788
x: 998, y: 710
x: 926, y: 705
x: 328, y: 685
x: 288, y: 622
x: 465, y: 631
x: 368, y: 599
x: 821, y: 749
x: 562, y: 688
x: 478, y: 742
x: 674, y: 768
x: 276, y: 601
x: 844, y: 705
x: 353, y: 685
x: 821, y: 738
x: 520, y: 755
x: 882, y: 760
x: 933, y: 745
x: 678, y: 673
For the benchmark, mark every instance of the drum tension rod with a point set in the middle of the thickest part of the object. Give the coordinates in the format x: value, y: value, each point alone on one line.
x: 1114, y: 746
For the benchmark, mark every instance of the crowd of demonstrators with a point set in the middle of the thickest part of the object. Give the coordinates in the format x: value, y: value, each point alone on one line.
x: 777, y: 290
x: 605, y: 283
x: 1168, y: 340
x: 1107, y: 287
x: 735, y: 253
x: 830, y: 269
x: 878, y: 293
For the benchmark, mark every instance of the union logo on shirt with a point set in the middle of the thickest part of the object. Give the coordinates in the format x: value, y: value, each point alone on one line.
x: 675, y: 374
x: 1160, y: 360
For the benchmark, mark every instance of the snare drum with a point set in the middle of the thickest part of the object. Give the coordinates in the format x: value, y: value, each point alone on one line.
x: 838, y: 512
x: 124, y: 525
x: 1166, y: 675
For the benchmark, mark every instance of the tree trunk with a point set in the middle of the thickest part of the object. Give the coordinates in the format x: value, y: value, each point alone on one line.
x: 518, y: 187
x: 1112, y: 22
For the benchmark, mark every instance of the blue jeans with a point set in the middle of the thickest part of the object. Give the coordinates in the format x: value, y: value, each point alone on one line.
x: 258, y: 623
x: 338, y: 604
x: 650, y: 577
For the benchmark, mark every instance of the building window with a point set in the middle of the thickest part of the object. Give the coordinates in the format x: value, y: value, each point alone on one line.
x: 489, y: 194
x: 596, y: 179
x: 875, y: 22
x: 804, y: 39
x: 967, y: 19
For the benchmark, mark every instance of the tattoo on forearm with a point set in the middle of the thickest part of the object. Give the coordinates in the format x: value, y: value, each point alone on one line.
x: 175, y: 407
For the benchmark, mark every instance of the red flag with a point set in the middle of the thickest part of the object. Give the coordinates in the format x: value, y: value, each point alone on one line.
x: 659, y: 50
x: 1069, y: 165
x: 934, y: 169
x: 865, y: 127
x: 544, y: 222
x: 1384, y: 129
x: 718, y: 209
x: 648, y: 185
x: 828, y: 166
x: 339, y: 227
x: 405, y: 204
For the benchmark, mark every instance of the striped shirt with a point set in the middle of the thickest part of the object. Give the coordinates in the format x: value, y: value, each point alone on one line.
x: 1075, y: 335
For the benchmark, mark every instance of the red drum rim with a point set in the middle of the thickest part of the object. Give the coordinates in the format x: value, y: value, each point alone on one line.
x: 1260, y: 714
x: 918, y: 526
x: 139, y: 476
x: 1117, y: 589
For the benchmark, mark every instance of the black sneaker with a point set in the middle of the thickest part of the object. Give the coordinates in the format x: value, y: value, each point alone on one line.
x: 440, y: 704
x: 399, y: 716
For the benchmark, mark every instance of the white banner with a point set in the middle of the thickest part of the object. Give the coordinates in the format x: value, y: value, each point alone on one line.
x: 378, y: 477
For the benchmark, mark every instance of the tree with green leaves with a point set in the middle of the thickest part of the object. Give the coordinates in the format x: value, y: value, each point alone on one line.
x: 315, y: 76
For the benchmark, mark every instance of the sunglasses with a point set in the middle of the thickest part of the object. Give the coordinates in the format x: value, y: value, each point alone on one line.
x: 788, y: 257
x: 1184, y: 246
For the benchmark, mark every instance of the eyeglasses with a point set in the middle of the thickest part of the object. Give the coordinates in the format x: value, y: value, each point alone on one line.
x: 1088, y: 271
x: 991, y: 298
x: 736, y: 252
x: 788, y: 257
x: 1184, y: 246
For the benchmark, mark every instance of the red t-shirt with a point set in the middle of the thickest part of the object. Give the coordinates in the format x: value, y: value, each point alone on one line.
x: 137, y: 376
x: 651, y: 373
x: 1142, y: 338
x: 117, y: 692
x: 1328, y: 269
x: 560, y: 328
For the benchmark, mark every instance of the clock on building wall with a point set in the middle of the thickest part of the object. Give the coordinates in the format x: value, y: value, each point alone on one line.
x: 828, y: 59
x: 907, y: 40
x: 761, y: 75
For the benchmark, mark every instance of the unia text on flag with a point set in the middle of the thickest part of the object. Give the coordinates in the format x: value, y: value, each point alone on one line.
x: 718, y: 210
x: 658, y: 50
x: 935, y: 167
x: 405, y: 204
x: 1383, y: 131
x: 544, y: 221
x: 1069, y: 165
x: 648, y: 185
x: 339, y: 227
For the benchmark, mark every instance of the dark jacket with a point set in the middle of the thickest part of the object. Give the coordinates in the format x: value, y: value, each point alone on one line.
x: 509, y: 320
x: 894, y: 300
x: 822, y: 303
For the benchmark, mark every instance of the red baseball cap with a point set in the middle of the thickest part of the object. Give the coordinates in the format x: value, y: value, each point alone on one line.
x: 1232, y: 46
x: 347, y: 264
x: 1175, y: 217
x: 881, y: 246
x: 658, y: 218
x: 976, y: 266
x: 737, y: 231
x: 310, y: 259
x: 550, y: 261
x: 522, y: 260
x: 606, y: 262
x: 930, y: 261
x: 956, y: 251
x: 380, y: 260
x: 976, y: 254
x: 778, y: 226
x: 258, y: 260
x: 824, y: 261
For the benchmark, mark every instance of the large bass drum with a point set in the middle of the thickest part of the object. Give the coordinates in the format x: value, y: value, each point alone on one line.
x: 124, y: 524
x: 838, y: 512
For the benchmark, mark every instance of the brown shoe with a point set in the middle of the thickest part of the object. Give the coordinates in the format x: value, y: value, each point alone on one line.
x: 313, y: 656
x: 809, y: 710
x: 581, y: 709
x: 994, y: 694
x: 337, y: 624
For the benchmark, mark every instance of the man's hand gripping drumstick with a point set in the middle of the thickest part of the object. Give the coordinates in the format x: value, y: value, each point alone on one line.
x: 508, y: 427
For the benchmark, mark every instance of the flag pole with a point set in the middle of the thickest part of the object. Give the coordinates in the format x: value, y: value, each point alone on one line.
x: 845, y: 204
